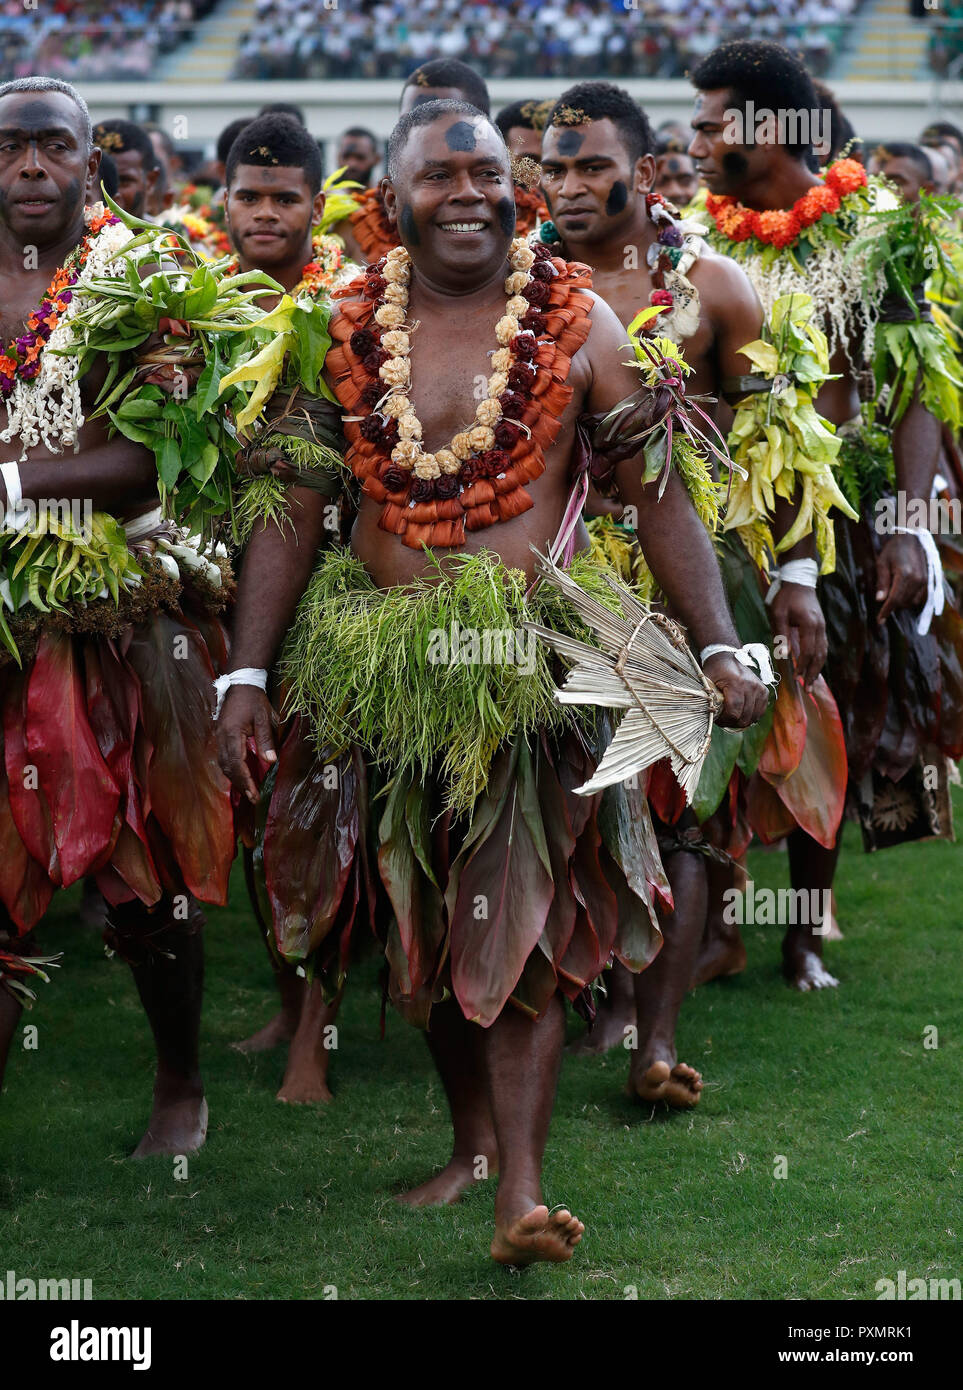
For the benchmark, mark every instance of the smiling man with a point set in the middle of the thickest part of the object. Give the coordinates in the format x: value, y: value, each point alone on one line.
x: 499, y: 891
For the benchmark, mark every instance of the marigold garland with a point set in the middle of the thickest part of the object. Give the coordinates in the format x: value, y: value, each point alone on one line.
x: 783, y: 227
x: 478, y: 479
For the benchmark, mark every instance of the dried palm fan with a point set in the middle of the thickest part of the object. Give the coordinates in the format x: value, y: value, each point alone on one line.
x: 643, y: 666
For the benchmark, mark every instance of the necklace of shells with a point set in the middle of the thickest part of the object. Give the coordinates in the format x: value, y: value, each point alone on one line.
x: 444, y: 472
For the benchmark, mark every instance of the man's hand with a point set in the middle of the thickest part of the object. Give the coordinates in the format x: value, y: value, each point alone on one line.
x: 900, y: 575
x: 744, y: 694
x: 246, y: 713
x: 254, y: 460
x: 795, y: 613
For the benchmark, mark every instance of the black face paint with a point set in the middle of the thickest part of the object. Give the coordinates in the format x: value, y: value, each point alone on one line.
x: 408, y: 228
x: 617, y: 199
x: 460, y: 137
x: 735, y: 165
x: 506, y: 215
x: 41, y: 116
x: 569, y: 143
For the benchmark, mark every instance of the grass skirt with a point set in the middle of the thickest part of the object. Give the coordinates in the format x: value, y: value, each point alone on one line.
x: 454, y: 826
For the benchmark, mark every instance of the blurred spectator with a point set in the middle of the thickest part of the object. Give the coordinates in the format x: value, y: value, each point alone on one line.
x: 526, y: 38
x: 93, y: 40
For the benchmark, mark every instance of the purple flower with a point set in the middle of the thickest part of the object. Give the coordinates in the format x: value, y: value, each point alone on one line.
x: 65, y: 296
x: 671, y: 236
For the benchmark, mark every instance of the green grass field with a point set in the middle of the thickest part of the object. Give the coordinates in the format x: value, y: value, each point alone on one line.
x: 285, y: 1201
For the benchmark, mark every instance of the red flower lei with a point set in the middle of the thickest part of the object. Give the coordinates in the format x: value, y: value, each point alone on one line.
x: 783, y: 227
x: 23, y: 354
x: 488, y: 487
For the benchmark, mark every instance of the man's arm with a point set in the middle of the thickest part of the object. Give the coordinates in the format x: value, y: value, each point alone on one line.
x: 901, y: 563
x: 114, y: 475
x: 737, y: 317
x: 275, y: 573
x: 669, y: 530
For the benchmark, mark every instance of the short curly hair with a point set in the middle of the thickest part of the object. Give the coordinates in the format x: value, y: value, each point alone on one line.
x: 599, y: 101
x: 764, y: 73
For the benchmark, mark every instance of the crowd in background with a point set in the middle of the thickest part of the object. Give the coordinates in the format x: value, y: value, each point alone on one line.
x: 93, y: 40
x: 526, y: 38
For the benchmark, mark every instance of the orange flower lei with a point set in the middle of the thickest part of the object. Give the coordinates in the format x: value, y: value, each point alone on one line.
x: 434, y: 498
x: 783, y: 227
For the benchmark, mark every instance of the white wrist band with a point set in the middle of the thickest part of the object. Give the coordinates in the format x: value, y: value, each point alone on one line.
x: 14, y: 517
x: 935, y: 597
x: 246, y: 675
x: 804, y: 572
x: 753, y: 654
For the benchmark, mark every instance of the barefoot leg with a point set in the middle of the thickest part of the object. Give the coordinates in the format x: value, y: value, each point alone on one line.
x: 291, y: 986
x: 721, y: 951
x: 616, y: 1013
x: 655, y: 1072
x: 170, y: 981
x: 811, y: 867
x: 306, y: 1075
x: 523, y: 1059
x: 456, y: 1047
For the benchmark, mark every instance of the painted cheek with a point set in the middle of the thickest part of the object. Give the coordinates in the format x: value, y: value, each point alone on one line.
x: 408, y: 228
x: 506, y: 215
x: 617, y: 199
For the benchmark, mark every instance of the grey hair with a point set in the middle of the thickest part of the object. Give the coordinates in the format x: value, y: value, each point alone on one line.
x: 52, y: 84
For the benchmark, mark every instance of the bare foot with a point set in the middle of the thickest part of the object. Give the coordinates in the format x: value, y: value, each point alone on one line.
x: 805, y: 971
x: 281, y: 1029
x: 616, y: 1013
x: 607, y: 1031
x: 719, y: 957
x: 538, y: 1235
x: 305, y: 1081
x: 457, y: 1176
x: 177, y: 1126
x: 679, y: 1086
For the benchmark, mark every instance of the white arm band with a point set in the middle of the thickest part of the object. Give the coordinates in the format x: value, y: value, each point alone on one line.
x: 804, y: 572
x: 13, y: 519
x: 753, y: 654
x: 247, y: 675
x: 934, y: 576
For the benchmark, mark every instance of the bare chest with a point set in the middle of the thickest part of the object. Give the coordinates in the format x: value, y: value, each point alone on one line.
x: 450, y: 368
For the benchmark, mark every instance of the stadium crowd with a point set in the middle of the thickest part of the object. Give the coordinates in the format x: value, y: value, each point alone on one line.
x: 544, y: 38
x: 94, y: 40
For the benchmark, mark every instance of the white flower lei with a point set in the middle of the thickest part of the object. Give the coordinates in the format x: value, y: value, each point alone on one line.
x: 48, y: 408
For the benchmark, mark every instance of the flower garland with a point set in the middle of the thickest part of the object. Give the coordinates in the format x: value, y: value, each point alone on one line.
x: 39, y: 386
x: 205, y: 236
x: 477, y: 479
x: 820, y: 261
x: 783, y: 227
x: 372, y: 231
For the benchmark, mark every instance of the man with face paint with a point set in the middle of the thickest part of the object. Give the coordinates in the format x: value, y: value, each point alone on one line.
x: 138, y: 168
x: 369, y: 233
x: 447, y: 522
x: 598, y: 170
x: 763, y: 197
x: 93, y: 698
